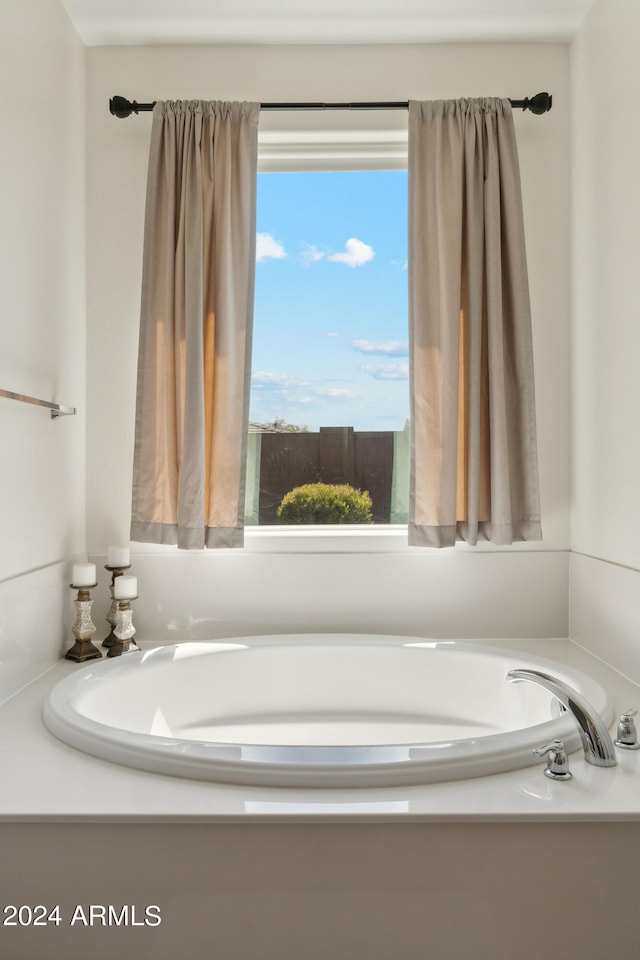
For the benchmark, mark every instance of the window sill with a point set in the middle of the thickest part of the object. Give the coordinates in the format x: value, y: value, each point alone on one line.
x: 344, y: 538
x: 385, y: 538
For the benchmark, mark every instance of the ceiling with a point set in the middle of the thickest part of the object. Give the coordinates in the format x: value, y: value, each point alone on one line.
x: 124, y: 22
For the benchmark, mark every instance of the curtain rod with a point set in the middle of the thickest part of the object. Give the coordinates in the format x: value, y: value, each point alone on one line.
x: 121, y: 107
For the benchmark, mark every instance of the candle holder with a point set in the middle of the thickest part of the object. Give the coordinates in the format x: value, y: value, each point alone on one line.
x: 111, y: 616
x: 83, y: 628
x: 123, y: 631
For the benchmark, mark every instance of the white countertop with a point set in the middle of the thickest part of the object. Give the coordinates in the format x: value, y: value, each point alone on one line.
x: 46, y: 780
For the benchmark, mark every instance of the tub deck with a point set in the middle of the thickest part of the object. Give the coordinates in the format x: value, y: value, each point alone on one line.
x: 46, y: 780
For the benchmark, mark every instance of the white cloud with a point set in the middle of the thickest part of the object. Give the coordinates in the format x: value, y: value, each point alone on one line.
x: 356, y: 253
x: 311, y: 254
x: 389, y: 348
x: 267, y: 248
x: 337, y: 393
x: 388, y: 371
x: 264, y: 378
x: 287, y: 392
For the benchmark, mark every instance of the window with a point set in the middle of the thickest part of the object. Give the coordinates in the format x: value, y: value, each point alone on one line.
x: 329, y: 391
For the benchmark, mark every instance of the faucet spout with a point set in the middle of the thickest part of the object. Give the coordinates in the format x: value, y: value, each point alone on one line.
x: 597, y: 744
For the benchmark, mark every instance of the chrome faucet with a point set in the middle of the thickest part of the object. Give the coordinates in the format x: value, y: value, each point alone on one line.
x: 598, y: 746
x: 557, y: 767
x: 627, y: 736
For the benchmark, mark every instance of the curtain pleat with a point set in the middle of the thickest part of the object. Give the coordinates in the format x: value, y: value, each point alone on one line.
x: 196, y: 322
x: 474, y: 473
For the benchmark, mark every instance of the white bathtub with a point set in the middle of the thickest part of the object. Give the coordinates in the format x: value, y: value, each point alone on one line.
x: 316, y: 710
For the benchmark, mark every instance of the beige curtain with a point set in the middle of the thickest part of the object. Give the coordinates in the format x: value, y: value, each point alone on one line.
x: 195, y: 326
x: 474, y: 472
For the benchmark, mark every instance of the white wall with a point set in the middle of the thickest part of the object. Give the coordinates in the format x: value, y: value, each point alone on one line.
x: 117, y: 159
x: 42, y: 326
x: 605, y: 581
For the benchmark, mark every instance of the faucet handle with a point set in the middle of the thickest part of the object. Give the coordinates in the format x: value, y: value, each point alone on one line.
x: 557, y: 767
x: 627, y: 735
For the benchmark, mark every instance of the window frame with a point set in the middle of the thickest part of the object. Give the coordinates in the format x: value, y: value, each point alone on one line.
x: 298, y: 151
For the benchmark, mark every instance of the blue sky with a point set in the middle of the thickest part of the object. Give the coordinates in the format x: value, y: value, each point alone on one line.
x: 330, y: 328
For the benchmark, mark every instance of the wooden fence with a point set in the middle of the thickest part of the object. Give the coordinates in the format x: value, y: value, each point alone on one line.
x: 333, y: 455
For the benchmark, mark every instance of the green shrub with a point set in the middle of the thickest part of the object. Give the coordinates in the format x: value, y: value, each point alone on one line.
x: 325, y: 503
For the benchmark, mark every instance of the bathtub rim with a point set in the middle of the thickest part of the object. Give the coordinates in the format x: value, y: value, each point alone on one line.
x: 465, y: 758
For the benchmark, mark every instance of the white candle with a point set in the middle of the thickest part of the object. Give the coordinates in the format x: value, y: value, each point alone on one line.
x: 84, y: 574
x: 118, y: 557
x: 125, y: 588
